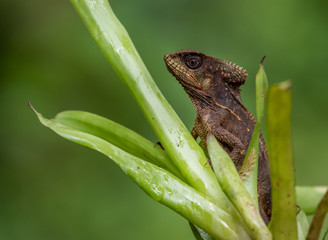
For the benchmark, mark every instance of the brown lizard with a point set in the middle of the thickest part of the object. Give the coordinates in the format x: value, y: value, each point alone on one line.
x: 213, y: 86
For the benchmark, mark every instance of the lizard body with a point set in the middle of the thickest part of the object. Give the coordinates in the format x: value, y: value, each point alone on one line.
x: 213, y: 86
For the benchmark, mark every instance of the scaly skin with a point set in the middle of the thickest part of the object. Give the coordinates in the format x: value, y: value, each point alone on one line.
x: 213, y: 86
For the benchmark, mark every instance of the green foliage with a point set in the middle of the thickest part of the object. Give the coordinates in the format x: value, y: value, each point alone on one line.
x: 232, y: 185
x: 248, y: 172
x: 308, y: 198
x: 283, y: 221
x: 159, y: 184
x: 262, y: 86
x: 117, y: 46
x: 119, y: 136
x: 217, y: 204
x: 302, y: 225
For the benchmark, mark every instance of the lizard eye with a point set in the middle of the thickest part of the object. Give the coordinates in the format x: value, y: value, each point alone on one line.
x: 193, y: 61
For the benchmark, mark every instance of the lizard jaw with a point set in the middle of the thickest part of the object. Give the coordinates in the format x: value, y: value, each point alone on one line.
x: 177, y: 69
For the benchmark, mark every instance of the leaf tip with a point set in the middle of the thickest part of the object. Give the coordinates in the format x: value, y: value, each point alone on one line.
x: 36, y: 112
x: 286, y: 85
x: 262, y: 60
x: 30, y: 106
x: 210, y: 139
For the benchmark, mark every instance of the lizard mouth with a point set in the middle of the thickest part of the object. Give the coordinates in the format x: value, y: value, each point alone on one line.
x: 169, y: 63
x: 173, y: 67
x: 179, y: 71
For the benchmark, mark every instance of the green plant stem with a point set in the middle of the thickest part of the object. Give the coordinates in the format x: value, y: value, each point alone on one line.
x: 116, y: 45
x: 283, y: 221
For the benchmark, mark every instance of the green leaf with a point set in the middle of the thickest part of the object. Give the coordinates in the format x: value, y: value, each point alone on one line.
x: 248, y: 171
x: 118, y: 48
x: 283, y: 221
x: 302, y: 225
x: 159, y: 184
x: 319, y: 217
x: 119, y: 136
x: 199, y: 233
x: 232, y: 185
x: 262, y: 86
x: 308, y: 198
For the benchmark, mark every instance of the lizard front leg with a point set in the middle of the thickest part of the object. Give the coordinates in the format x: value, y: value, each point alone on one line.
x: 231, y: 144
x: 209, y: 123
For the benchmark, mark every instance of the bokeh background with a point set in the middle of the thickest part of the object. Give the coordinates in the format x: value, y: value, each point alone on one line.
x: 55, y: 189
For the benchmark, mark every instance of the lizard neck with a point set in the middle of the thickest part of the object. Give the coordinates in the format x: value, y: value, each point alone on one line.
x: 197, y: 97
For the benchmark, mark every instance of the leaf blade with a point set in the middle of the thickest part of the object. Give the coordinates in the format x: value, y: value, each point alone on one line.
x: 302, y: 225
x: 119, y: 136
x: 233, y: 186
x: 249, y: 170
x: 262, y: 86
x: 160, y: 185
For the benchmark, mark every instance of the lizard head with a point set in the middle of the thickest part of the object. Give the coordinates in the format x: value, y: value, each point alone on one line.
x: 199, y: 71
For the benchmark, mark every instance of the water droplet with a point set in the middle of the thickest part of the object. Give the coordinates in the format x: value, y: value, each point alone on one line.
x: 156, y: 193
x: 92, y: 4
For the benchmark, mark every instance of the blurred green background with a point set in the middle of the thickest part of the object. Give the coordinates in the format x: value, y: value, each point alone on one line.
x: 54, y: 189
